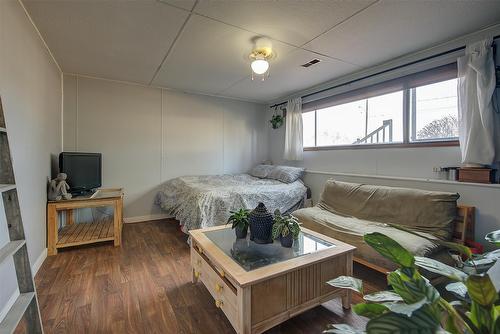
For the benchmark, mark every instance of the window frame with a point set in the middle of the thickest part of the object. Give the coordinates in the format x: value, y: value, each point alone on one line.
x: 416, y: 80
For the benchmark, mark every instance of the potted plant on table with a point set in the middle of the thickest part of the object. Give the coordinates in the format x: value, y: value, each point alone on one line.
x: 240, y: 222
x: 286, y: 228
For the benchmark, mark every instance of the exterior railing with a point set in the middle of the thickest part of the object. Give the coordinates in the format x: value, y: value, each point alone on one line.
x: 382, y: 134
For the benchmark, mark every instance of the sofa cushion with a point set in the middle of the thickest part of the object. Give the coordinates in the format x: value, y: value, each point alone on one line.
x: 286, y: 174
x: 424, y: 211
x: 351, y: 230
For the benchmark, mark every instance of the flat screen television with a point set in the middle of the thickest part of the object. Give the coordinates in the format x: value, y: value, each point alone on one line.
x: 83, y: 170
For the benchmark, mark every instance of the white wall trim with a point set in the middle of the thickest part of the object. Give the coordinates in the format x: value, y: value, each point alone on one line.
x: 403, y: 178
x: 40, y: 35
x: 146, y: 218
x: 38, y: 262
x: 8, y: 305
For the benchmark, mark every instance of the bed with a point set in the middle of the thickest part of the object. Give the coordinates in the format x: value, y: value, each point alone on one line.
x: 203, y: 201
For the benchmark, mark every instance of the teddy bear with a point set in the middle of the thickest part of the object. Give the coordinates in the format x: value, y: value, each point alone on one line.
x: 58, y: 188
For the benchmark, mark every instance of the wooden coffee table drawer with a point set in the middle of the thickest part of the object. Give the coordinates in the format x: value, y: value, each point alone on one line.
x: 220, y: 288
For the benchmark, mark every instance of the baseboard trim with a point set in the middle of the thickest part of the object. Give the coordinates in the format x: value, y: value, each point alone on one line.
x: 8, y: 305
x: 38, y: 263
x: 142, y: 219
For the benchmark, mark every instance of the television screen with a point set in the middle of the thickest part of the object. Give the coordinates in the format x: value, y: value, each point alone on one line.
x: 83, y: 170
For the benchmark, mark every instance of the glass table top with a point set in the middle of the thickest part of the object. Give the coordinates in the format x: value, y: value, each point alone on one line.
x: 250, y: 255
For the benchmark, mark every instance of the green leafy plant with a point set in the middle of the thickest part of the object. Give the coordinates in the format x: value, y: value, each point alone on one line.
x: 239, y: 219
x: 276, y: 121
x: 414, y: 305
x: 284, y: 225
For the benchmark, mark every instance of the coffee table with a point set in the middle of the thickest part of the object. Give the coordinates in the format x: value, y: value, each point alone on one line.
x: 259, y: 286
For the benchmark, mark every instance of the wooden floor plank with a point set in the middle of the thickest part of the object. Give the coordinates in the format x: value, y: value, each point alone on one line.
x: 145, y: 286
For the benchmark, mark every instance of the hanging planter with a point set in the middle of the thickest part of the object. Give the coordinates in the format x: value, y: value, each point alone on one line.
x: 278, y: 118
x: 276, y: 121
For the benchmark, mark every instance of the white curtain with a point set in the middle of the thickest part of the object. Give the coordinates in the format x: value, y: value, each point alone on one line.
x: 476, y: 112
x: 294, y: 144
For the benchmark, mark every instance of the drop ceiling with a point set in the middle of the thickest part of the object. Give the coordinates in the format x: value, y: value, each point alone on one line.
x: 202, y: 46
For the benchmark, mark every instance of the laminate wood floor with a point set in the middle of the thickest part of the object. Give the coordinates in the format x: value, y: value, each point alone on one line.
x: 145, y: 287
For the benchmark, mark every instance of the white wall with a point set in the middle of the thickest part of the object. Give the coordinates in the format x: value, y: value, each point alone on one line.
x: 30, y: 87
x: 149, y: 135
x: 406, y: 167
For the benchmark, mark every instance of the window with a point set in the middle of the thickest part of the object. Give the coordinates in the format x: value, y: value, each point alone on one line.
x: 420, y: 108
x: 434, y: 111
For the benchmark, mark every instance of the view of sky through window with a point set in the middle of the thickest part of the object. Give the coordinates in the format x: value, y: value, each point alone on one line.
x: 432, y: 116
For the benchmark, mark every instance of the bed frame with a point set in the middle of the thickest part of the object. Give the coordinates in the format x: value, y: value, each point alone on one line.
x: 463, y: 229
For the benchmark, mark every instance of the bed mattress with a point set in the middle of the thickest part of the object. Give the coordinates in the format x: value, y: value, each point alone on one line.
x: 203, y: 201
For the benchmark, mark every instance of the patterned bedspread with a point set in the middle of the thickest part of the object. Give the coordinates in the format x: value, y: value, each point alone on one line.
x: 202, y: 201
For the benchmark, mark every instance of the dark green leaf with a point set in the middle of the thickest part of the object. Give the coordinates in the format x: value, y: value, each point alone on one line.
x: 390, y: 249
x: 493, y: 237
x: 457, y: 247
x: 422, y: 321
x: 412, y: 290
x: 370, y: 310
x: 347, y: 282
x: 383, y: 296
x: 481, y: 289
x: 481, y: 316
x: 342, y: 329
x: 440, y: 268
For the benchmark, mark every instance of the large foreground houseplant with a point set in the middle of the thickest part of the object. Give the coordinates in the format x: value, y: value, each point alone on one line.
x: 413, y: 305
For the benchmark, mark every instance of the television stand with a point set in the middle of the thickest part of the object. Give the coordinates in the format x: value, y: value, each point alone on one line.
x: 84, y: 193
x: 75, y: 234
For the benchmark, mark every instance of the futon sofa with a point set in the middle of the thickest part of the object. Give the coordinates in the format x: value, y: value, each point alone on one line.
x: 347, y: 211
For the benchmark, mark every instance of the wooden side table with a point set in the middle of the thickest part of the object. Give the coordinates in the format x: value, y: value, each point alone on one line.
x: 98, y: 230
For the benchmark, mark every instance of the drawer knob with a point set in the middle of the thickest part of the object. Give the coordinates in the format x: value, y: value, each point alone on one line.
x: 218, y: 287
x: 197, y: 274
x: 200, y: 250
x: 222, y: 274
x: 219, y: 303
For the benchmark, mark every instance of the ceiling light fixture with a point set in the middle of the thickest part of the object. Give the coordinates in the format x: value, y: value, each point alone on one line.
x: 260, y: 62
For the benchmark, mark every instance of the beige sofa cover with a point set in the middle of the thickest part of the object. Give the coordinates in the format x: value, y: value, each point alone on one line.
x: 347, y: 211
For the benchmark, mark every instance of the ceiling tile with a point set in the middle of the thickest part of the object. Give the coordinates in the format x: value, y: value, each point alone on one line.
x: 287, y: 77
x: 185, y: 4
x: 122, y: 40
x: 390, y: 29
x: 210, y: 56
x: 295, y: 22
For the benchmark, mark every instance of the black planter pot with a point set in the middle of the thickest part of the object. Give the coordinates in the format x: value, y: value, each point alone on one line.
x: 261, y: 224
x: 241, y: 233
x: 287, y: 241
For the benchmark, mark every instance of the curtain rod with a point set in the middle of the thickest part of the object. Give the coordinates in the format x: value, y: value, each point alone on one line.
x: 378, y: 73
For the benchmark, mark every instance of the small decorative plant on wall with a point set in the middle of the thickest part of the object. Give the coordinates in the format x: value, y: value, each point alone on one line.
x: 286, y: 228
x: 240, y: 222
x: 278, y: 117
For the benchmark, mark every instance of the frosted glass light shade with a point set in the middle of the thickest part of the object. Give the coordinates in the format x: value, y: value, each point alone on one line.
x: 260, y: 66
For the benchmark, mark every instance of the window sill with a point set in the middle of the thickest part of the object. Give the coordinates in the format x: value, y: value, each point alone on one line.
x: 383, y: 146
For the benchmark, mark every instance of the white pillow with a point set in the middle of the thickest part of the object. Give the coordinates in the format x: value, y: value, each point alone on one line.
x: 261, y: 171
x: 286, y: 174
